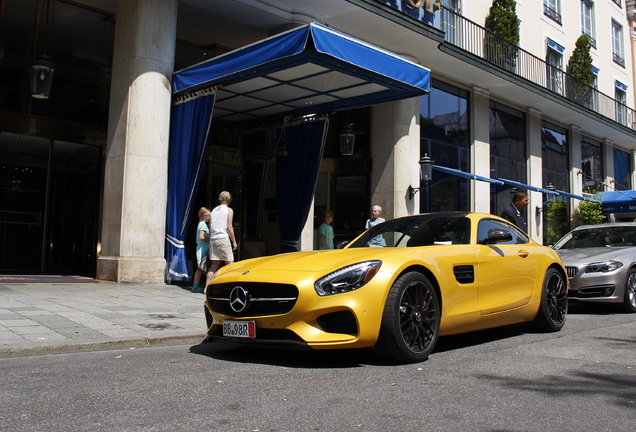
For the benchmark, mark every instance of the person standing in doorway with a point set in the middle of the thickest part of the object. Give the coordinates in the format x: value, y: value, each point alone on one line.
x: 203, y: 245
x: 325, y: 231
x: 376, y: 213
x: 513, y: 213
x: 222, y: 240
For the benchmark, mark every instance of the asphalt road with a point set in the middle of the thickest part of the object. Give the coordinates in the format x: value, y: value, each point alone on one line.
x: 580, y: 379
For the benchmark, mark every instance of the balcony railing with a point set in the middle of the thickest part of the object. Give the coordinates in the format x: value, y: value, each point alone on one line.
x: 476, y: 40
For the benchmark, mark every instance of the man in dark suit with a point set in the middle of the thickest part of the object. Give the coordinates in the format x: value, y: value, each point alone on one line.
x: 513, y: 213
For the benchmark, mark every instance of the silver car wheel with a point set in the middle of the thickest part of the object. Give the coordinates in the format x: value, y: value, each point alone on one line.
x: 629, y: 301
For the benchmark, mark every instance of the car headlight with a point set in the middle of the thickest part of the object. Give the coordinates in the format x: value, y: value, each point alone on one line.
x: 347, y: 279
x: 603, y: 267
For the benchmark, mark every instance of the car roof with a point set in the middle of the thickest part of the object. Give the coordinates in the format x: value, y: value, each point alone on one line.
x: 606, y: 225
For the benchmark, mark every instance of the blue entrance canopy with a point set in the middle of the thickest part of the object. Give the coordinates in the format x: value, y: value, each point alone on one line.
x: 618, y: 201
x: 464, y: 174
x: 309, y: 69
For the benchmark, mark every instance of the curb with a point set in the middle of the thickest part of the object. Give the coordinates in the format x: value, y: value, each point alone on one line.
x: 107, y: 345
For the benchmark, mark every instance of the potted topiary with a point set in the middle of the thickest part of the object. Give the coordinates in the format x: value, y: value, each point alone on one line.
x: 502, y: 34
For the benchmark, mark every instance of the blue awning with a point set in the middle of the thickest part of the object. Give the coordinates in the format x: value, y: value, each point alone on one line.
x: 527, y: 187
x: 578, y: 197
x: 464, y: 174
x: 309, y: 69
x: 618, y: 201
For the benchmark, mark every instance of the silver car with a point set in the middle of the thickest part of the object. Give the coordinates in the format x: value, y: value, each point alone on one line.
x: 601, y: 263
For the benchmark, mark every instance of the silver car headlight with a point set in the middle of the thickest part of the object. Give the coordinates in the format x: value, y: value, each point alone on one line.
x: 603, y: 267
x: 347, y: 279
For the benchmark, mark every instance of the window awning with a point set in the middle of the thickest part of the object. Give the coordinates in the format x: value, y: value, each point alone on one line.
x: 618, y: 201
x: 309, y: 69
x: 464, y: 174
x: 528, y: 187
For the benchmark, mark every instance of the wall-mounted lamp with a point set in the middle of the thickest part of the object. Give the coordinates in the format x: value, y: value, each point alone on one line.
x: 426, y: 175
x: 549, y: 199
x: 347, y: 139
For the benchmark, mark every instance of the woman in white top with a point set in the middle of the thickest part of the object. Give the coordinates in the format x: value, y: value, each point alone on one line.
x: 222, y: 240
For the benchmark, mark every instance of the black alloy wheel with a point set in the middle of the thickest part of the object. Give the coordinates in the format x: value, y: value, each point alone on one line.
x: 410, y: 324
x: 553, y: 309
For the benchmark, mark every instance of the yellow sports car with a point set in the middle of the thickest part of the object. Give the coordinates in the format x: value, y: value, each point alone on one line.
x: 439, y: 274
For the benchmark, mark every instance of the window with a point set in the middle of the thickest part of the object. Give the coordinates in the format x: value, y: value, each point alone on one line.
x: 587, y: 21
x: 591, y: 164
x: 595, y: 94
x: 620, y: 98
x: 556, y: 171
x: 554, y: 69
x: 617, y: 43
x: 507, y: 151
x: 488, y: 226
x: 445, y: 137
x: 552, y: 9
x: 618, y: 2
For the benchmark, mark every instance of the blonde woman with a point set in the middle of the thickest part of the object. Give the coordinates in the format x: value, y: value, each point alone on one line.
x: 222, y: 240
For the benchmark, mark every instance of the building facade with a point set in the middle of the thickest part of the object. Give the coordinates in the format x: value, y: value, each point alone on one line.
x: 85, y: 177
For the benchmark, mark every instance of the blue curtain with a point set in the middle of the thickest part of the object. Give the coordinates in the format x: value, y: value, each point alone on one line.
x: 190, y: 125
x: 253, y: 149
x: 621, y: 169
x: 296, y: 177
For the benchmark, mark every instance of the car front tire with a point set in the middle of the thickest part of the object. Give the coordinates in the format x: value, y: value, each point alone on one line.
x: 410, y: 323
x: 553, y: 309
x: 629, y: 297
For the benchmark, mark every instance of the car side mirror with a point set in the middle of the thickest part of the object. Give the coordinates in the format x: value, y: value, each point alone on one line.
x: 497, y: 236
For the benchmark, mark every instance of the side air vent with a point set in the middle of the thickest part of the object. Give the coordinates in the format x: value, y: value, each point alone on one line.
x: 464, y: 273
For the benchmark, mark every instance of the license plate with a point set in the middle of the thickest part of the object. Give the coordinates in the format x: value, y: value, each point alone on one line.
x: 240, y: 329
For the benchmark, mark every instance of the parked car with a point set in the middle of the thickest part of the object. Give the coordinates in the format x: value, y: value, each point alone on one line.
x: 601, y: 263
x: 440, y: 274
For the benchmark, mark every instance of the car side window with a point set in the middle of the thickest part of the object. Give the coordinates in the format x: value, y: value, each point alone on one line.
x: 486, y: 227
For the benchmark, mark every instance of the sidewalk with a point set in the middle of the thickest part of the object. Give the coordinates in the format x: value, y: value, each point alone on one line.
x: 55, y: 318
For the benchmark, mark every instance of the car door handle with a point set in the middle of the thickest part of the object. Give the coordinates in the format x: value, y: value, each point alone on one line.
x: 523, y: 254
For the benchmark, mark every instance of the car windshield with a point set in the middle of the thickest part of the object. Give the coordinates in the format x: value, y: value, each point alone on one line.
x: 598, y: 237
x: 422, y: 230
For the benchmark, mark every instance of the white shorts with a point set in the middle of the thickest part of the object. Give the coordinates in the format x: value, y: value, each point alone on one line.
x: 221, y: 250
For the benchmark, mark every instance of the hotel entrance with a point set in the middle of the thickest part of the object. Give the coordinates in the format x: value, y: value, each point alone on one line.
x: 49, y: 206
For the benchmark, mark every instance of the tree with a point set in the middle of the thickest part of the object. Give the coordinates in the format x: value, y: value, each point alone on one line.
x: 556, y: 221
x: 581, y: 73
x: 502, y: 33
x: 589, y: 213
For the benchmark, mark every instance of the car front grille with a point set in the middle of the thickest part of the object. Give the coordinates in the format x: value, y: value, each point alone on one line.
x: 572, y: 271
x: 261, y: 299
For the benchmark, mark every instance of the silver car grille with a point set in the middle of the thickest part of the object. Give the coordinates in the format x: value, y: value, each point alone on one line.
x: 572, y: 271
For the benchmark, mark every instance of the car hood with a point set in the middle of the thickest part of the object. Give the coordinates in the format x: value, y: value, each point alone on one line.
x: 570, y: 256
x: 311, y: 261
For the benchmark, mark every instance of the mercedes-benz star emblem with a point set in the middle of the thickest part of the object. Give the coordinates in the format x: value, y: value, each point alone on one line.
x: 238, y: 299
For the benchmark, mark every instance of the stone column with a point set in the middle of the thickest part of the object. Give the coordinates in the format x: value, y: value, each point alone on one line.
x: 135, y: 179
x: 480, y: 149
x: 395, y: 149
x: 535, y: 175
x: 576, y: 176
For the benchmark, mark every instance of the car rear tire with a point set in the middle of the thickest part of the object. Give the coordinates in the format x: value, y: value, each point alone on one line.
x: 629, y: 297
x: 410, y: 323
x: 553, y: 309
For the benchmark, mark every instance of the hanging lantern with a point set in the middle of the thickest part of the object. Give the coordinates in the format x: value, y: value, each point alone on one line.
x: 347, y: 139
x: 41, y: 74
